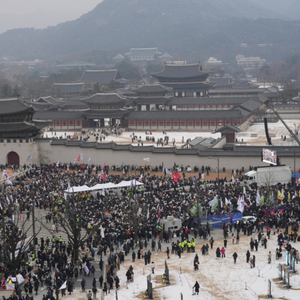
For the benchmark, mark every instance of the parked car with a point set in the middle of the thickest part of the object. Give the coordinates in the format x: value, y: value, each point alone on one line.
x: 247, y: 219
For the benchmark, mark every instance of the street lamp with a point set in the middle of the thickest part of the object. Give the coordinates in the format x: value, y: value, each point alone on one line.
x: 218, y: 159
x: 294, y: 181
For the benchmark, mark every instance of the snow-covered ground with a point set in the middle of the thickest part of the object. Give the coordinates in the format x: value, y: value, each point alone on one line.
x: 255, y: 134
x: 219, y: 278
x: 126, y: 137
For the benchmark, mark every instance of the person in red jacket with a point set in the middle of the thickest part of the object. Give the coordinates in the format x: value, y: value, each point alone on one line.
x: 223, y: 252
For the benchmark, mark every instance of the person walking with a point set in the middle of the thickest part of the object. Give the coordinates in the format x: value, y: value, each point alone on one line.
x: 233, y: 237
x: 223, y: 252
x: 168, y: 252
x: 247, y: 256
x: 83, y: 284
x: 234, y: 257
x: 196, y: 288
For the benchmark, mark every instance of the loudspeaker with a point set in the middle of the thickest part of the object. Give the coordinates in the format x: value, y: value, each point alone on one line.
x: 267, y: 131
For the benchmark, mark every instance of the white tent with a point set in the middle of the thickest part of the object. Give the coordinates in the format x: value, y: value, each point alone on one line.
x: 99, y: 187
x: 77, y: 189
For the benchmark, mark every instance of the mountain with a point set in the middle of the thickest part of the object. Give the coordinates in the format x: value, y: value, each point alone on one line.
x: 186, y: 28
x: 288, y: 9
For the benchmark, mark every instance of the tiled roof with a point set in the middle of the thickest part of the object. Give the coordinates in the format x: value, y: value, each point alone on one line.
x: 58, y: 115
x: 103, y: 77
x: 152, y: 88
x: 68, y: 88
x: 21, y: 126
x: 228, y: 127
x: 50, y: 100
x: 141, y: 52
x: 11, y: 106
x: 104, y: 98
x: 181, y: 71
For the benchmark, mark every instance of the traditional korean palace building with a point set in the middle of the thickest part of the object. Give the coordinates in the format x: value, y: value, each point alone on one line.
x: 183, y: 99
x: 17, y: 129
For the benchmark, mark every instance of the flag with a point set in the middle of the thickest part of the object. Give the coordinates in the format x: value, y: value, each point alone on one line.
x: 108, y: 215
x: 232, y: 178
x: 103, y: 176
x: 86, y: 269
x: 216, y: 203
x: 139, y: 211
x: 9, y: 171
x: 262, y: 201
x: 146, y: 159
x: 89, y: 160
x: 246, y: 204
x: 78, y: 159
x: 81, y: 157
x: 196, y: 209
x: 148, y: 213
x: 257, y: 198
x: 168, y: 172
x: 102, y: 232
x: 29, y: 157
x: 20, y: 278
x: 141, y: 177
x: 175, y: 177
x: 20, y: 218
x: 178, y: 175
x: 244, y: 190
x: 212, y: 202
x: 241, y: 207
x: 64, y: 285
x: 227, y: 201
x: 297, y: 181
x: 8, y: 182
x: 221, y: 203
x: 279, y: 196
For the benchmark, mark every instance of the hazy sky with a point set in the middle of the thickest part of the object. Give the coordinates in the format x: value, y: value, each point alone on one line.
x: 41, y: 13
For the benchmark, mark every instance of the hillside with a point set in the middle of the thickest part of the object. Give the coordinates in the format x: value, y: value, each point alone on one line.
x: 187, y: 28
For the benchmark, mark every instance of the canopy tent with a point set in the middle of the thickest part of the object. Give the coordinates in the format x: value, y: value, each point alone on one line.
x: 99, y: 187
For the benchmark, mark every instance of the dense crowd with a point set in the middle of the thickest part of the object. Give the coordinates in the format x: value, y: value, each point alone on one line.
x: 117, y: 223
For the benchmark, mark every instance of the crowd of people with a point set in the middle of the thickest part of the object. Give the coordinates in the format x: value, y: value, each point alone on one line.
x: 117, y: 223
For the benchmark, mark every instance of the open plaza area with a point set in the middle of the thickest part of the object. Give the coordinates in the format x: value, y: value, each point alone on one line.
x: 120, y: 230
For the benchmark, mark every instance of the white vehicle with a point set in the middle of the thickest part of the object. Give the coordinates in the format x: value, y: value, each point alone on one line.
x: 269, y: 175
x: 247, y: 219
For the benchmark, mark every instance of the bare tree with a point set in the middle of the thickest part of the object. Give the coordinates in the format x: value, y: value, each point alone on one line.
x: 73, y: 227
x: 16, y: 240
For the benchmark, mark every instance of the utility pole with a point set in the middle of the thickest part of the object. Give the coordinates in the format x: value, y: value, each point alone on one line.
x: 33, y: 221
